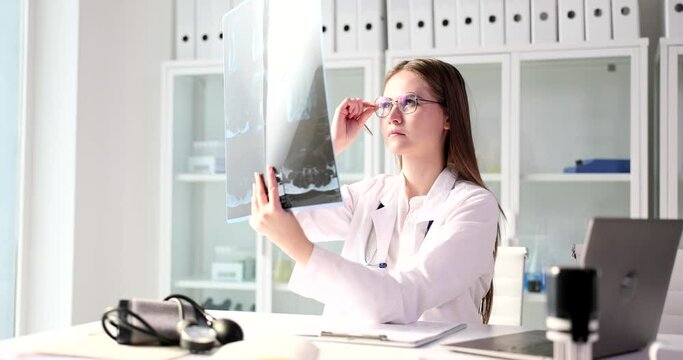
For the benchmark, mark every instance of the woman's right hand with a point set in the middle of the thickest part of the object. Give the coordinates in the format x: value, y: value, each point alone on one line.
x: 348, y: 121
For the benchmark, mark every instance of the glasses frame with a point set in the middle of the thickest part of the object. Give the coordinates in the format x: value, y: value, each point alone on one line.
x: 393, y: 102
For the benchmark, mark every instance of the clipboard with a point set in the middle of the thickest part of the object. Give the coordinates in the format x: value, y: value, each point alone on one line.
x: 400, y: 335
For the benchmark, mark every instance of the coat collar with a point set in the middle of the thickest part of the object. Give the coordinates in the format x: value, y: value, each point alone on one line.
x: 436, y: 197
x: 384, y: 216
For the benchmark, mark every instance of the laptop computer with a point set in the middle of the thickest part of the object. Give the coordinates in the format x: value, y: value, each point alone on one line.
x: 635, y: 258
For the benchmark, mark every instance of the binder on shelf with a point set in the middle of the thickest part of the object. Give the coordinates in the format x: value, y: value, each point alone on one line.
x: 517, y: 22
x: 208, y: 27
x: 598, y: 20
x: 328, y: 26
x: 203, y: 28
x: 570, y: 21
x: 468, y: 32
x: 184, y: 29
x: 445, y: 24
x: 421, y: 24
x: 543, y: 21
x: 218, y: 9
x: 673, y: 18
x: 398, y: 24
x: 625, y: 19
x: 346, y: 26
x: 492, y: 23
x: 371, y: 25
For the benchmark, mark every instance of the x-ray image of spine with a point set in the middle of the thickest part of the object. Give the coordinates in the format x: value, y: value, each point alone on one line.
x: 275, y: 104
x: 308, y: 172
x: 310, y: 163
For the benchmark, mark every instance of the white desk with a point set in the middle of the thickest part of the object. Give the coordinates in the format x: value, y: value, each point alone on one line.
x: 262, y: 326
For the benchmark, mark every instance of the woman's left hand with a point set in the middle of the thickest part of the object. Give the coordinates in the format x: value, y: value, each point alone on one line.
x: 270, y: 219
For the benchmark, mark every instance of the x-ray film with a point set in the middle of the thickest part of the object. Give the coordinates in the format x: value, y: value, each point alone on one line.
x: 275, y: 105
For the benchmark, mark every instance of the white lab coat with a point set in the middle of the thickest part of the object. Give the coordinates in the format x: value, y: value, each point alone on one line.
x: 443, y: 276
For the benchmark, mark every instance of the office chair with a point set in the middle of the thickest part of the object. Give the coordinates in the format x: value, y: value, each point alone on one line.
x: 508, y: 285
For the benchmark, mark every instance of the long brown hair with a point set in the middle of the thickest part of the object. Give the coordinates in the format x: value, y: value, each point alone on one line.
x: 448, y: 86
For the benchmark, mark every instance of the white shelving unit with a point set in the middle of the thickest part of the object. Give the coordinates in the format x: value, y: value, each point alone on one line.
x: 670, y: 63
x: 535, y: 110
x: 548, y: 106
x: 192, y: 224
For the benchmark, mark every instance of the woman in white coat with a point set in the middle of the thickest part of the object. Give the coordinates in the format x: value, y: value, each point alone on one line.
x: 417, y: 246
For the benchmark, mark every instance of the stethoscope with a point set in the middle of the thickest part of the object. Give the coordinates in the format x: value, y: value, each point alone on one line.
x: 372, y: 239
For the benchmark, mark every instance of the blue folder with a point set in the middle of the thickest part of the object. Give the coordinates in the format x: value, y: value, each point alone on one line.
x: 600, y: 166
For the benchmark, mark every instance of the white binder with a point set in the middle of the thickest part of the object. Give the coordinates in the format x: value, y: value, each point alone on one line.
x: 208, y: 28
x: 421, y: 24
x: 328, y: 26
x: 467, y: 12
x: 543, y: 21
x: 598, y: 20
x: 445, y: 24
x: 625, y: 19
x: 371, y: 25
x: 492, y: 23
x: 673, y: 18
x: 571, y: 21
x: 517, y: 21
x: 184, y: 29
x: 203, y: 29
x: 346, y: 27
x: 218, y: 9
x: 398, y: 24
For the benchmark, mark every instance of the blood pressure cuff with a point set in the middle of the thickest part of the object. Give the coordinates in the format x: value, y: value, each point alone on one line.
x: 162, y: 316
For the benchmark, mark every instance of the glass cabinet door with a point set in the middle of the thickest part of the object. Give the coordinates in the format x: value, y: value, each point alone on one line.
x: 212, y: 261
x: 571, y: 112
x: 484, y: 92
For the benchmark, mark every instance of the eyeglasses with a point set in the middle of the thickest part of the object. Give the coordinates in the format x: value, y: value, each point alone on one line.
x: 407, y: 104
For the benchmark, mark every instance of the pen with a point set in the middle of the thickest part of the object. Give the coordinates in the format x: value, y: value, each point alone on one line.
x: 367, y: 128
x: 380, y: 337
x: 370, y: 105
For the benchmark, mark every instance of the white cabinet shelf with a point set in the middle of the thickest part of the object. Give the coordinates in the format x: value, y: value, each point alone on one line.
x: 216, y: 285
x: 201, y: 177
x: 580, y: 177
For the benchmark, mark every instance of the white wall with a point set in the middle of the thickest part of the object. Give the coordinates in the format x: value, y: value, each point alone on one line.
x: 94, y: 131
x: 121, y: 46
x: 46, y: 252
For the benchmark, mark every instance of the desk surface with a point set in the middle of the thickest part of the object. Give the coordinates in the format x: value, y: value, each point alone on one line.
x: 263, y: 326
